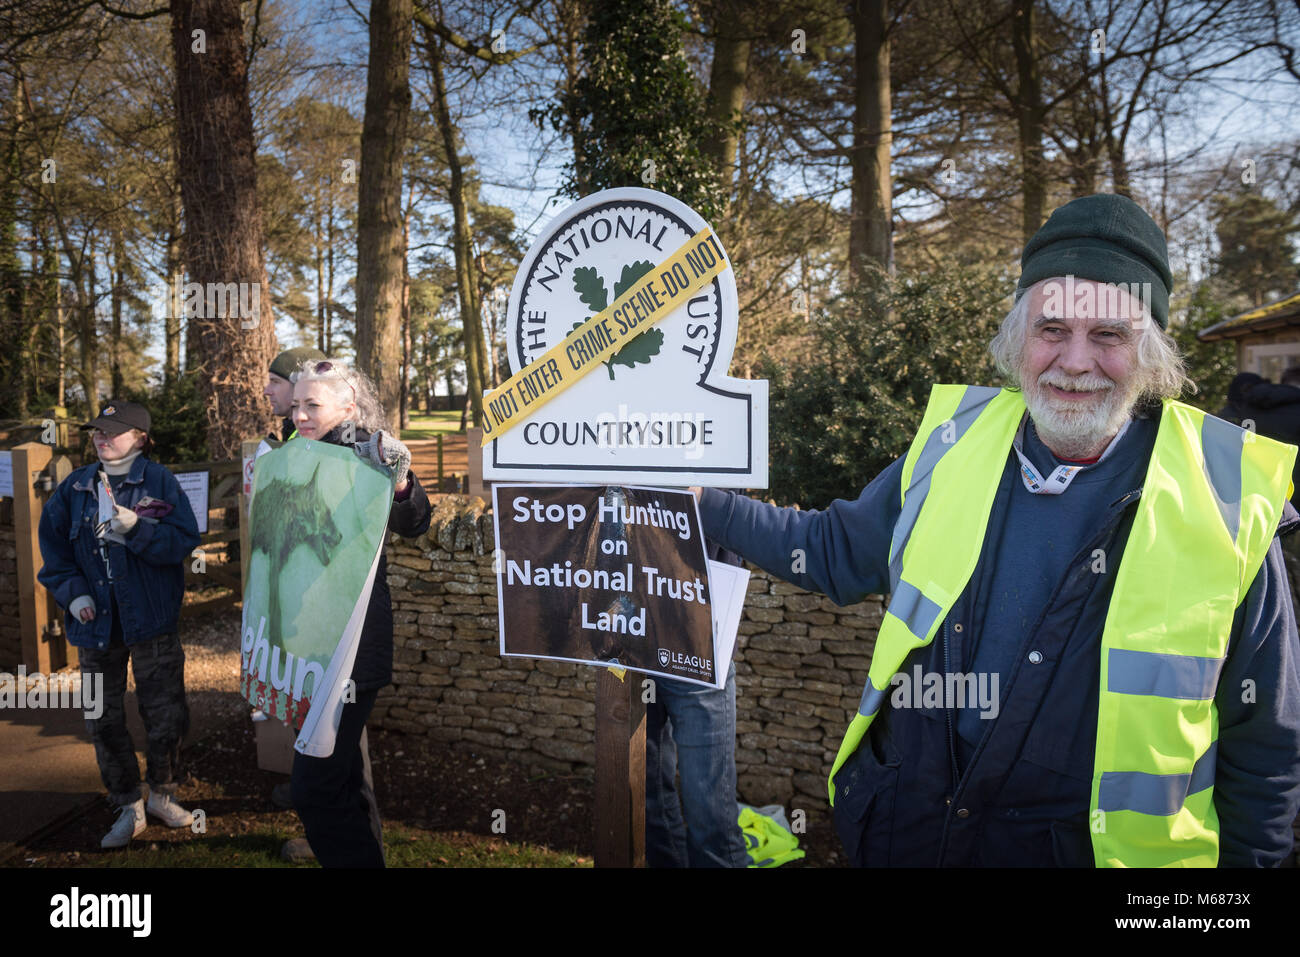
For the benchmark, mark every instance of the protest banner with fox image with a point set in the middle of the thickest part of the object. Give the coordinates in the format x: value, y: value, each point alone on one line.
x: 317, y: 522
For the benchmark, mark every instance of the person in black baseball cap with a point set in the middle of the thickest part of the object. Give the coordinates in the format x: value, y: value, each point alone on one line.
x: 117, y: 417
x: 114, y: 539
x: 120, y: 433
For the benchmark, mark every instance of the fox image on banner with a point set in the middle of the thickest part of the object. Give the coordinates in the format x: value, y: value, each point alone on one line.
x: 316, y: 526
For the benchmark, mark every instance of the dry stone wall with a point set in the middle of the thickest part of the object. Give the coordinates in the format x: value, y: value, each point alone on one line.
x: 801, y: 662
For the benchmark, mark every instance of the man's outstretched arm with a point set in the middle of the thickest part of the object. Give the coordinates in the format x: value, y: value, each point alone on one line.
x: 842, y: 551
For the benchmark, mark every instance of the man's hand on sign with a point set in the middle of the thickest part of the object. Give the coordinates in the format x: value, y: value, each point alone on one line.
x: 696, y: 491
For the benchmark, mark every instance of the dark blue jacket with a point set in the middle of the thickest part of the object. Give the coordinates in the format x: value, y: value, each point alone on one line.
x: 1022, y: 798
x: 148, y: 571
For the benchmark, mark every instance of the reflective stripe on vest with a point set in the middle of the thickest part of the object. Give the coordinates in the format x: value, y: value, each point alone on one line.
x: 1215, y: 492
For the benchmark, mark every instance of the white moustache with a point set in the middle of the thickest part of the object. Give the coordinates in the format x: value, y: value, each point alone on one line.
x: 1083, y: 383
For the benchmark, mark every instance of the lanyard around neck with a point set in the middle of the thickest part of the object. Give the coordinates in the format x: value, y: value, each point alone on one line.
x: 1062, y: 475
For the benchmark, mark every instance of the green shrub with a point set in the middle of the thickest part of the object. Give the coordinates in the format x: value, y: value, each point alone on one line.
x: 179, y: 423
x: 836, y: 422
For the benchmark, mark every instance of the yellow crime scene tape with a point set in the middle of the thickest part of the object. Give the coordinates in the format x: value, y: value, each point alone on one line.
x: 654, y: 296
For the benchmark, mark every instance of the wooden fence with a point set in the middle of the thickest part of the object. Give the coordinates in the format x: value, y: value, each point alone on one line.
x: 213, y: 573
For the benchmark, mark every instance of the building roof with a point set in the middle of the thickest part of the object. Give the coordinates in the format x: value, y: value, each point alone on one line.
x: 1272, y: 315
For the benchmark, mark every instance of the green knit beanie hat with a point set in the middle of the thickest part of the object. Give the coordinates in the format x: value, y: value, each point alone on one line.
x: 290, y: 360
x: 1105, y: 238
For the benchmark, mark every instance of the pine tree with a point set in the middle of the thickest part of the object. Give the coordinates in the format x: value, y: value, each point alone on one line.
x: 1256, y: 257
x: 641, y: 116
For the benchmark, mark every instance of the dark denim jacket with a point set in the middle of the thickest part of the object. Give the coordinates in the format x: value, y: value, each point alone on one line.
x: 148, y: 571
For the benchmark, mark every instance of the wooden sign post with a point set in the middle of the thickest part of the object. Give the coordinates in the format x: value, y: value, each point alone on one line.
x: 29, y: 460
x: 620, y: 770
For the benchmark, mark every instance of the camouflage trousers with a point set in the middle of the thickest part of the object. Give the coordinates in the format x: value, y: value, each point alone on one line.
x: 159, y: 668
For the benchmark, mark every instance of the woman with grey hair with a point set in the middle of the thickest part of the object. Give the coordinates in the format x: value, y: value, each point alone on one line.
x: 335, y: 403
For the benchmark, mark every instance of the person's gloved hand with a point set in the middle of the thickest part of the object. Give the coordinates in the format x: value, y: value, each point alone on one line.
x: 387, y: 452
x: 123, y: 520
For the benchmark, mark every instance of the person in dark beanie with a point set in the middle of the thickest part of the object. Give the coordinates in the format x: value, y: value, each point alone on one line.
x: 1089, y: 656
x: 1271, y: 409
x: 279, y: 385
x: 118, y: 571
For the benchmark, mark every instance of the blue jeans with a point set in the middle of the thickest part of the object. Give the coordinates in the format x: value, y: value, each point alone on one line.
x: 692, y: 728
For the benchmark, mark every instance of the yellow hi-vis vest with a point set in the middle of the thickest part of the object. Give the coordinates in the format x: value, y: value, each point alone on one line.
x: 1211, y: 501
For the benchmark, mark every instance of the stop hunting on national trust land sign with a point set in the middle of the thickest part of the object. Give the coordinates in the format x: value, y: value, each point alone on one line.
x: 621, y: 325
x: 606, y: 574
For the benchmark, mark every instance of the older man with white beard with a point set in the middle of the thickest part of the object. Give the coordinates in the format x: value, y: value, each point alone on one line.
x: 1101, y: 556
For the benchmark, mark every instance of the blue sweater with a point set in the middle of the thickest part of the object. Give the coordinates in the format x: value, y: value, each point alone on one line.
x: 1013, y: 607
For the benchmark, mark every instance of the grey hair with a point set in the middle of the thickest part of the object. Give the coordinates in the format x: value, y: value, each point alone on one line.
x: 370, y: 411
x: 1162, y: 368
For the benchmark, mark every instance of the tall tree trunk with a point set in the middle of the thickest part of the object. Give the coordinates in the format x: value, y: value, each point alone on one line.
x: 380, y: 247
x: 318, y: 256
x: 1029, y: 118
x: 470, y: 318
x: 47, y: 368
x: 85, y: 280
x: 223, y: 222
x: 115, y: 329
x: 1118, y: 166
x: 60, y: 345
x: 40, y: 325
x: 14, y: 385
x: 328, y: 334
x: 871, y: 223
x: 175, y: 277
x: 572, y: 15
x: 727, y: 78
x: 489, y: 318
x: 404, y: 420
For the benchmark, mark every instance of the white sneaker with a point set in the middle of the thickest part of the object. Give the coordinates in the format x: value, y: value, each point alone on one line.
x: 165, y: 808
x: 130, y: 822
